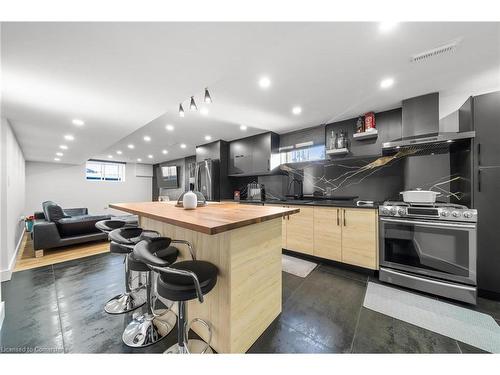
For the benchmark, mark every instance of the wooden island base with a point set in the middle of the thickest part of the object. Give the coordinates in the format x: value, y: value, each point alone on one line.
x: 247, y: 297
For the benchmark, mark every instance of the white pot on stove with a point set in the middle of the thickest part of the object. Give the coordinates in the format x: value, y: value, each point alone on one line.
x: 419, y: 196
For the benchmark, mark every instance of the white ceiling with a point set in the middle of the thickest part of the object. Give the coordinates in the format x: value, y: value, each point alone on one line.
x: 125, y: 80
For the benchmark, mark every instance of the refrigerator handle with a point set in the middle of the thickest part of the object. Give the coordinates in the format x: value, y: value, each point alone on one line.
x: 479, y: 154
x: 479, y: 180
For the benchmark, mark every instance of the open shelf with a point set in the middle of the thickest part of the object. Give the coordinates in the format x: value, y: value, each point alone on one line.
x: 338, y: 151
x: 365, y: 135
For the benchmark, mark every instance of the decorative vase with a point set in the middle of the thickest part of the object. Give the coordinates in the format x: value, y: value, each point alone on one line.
x: 189, y: 201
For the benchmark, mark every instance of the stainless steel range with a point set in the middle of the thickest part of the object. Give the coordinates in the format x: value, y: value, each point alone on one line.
x: 431, y: 248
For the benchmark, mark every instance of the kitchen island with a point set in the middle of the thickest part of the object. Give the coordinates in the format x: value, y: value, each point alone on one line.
x: 244, y: 242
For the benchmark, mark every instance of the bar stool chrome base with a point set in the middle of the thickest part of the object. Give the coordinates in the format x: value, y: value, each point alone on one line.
x: 125, y: 302
x: 194, y: 346
x: 146, y: 329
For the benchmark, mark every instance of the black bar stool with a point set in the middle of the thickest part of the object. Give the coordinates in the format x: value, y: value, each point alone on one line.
x: 122, y: 242
x: 107, y: 226
x: 149, y: 328
x: 180, y: 282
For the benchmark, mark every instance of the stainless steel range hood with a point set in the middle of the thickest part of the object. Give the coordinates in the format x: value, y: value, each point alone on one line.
x: 421, y: 124
x: 428, y: 139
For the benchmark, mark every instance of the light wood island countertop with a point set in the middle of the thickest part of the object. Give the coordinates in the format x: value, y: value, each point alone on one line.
x: 211, y: 219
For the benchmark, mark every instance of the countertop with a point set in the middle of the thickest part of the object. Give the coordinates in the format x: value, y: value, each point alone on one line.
x: 310, y: 202
x: 212, y: 219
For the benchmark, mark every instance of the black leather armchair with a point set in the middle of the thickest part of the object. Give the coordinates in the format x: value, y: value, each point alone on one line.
x: 57, y: 227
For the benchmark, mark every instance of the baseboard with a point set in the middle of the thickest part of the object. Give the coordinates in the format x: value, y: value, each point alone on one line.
x: 2, y: 313
x: 6, y: 274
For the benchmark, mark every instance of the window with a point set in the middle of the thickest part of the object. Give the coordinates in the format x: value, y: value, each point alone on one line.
x: 303, y: 154
x: 104, y: 171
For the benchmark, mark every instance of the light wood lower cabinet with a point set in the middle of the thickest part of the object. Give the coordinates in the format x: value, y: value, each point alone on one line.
x: 299, y: 230
x: 328, y: 233
x: 348, y: 235
x: 360, y: 237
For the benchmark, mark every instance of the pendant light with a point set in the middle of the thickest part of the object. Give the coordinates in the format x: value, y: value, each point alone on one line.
x: 208, y: 98
x: 181, y: 110
x: 193, y: 106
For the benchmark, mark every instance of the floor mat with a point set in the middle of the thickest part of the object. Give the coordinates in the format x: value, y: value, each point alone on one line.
x: 296, y: 266
x: 459, y: 323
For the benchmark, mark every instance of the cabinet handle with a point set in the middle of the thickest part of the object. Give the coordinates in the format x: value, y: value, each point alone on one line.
x: 479, y: 154
x: 479, y: 180
x: 268, y: 164
x: 338, y: 220
x: 344, y: 218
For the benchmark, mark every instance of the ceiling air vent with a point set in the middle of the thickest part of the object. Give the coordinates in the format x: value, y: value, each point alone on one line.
x: 447, y: 48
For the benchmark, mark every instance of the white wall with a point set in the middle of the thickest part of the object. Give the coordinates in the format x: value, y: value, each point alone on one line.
x: 12, y: 198
x: 66, y: 185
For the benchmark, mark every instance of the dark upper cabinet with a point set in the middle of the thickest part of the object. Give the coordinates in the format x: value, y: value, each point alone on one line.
x: 240, y: 156
x: 213, y: 150
x: 487, y: 126
x: 388, y: 125
x: 261, y: 153
x: 315, y: 134
x: 252, y: 155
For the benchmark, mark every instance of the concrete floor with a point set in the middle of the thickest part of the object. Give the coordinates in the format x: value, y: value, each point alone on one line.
x: 59, y: 308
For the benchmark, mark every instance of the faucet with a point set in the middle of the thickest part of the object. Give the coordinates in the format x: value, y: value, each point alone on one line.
x: 301, y: 188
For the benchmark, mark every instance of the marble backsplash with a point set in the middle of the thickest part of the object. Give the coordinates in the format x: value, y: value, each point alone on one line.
x: 377, y: 178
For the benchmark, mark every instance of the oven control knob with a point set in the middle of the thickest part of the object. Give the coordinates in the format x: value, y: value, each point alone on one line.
x: 445, y: 213
x: 455, y: 214
x: 467, y: 215
x: 401, y: 212
x: 385, y: 211
x: 393, y: 211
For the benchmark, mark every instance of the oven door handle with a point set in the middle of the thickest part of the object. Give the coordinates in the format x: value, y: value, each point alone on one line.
x: 428, y: 224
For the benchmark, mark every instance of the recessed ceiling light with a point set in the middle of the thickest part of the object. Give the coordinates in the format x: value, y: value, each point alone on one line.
x: 147, y: 138
x: 296, y: 110
x: 110, y: 156
x: 139, y: 159
x: 264, y: 82
x: 57, y: 159
x: 78, y: 122
x: 164, y: 152
x: 204, y: 111
x: 150, y: 156
x: 131, y: 146
x: 169, y: 127
x: 69, y: 137
x: 59, y: 154
x: 208, y: 138
x: 119, y: 152
x: 183, y: 145
x: 387, y: 26
x: 63, y: 147
x: 243, y: 127
x: 386, y: 83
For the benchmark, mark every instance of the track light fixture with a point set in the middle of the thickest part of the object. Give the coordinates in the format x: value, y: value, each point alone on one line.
x: 208, y: 98
x: 192, y: 105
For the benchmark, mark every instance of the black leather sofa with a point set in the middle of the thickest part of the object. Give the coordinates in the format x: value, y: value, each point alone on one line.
x: 57, y: 227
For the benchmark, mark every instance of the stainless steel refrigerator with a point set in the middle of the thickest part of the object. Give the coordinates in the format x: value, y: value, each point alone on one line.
x: 486, y: 112
x: 207, y: 179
